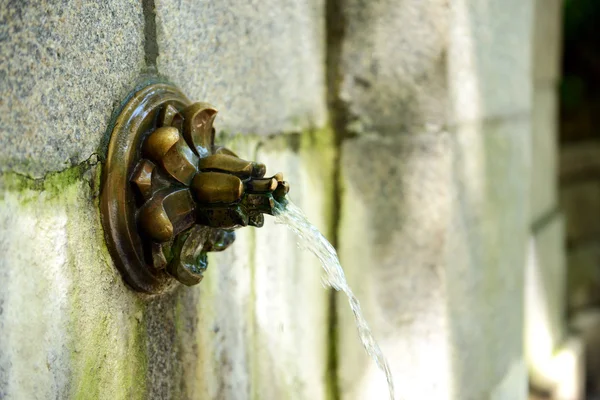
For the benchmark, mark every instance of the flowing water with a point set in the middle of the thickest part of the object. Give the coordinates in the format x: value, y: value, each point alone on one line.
x: 311, y: 239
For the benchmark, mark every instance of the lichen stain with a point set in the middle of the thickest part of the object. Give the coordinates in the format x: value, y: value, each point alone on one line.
x: 104, y: 323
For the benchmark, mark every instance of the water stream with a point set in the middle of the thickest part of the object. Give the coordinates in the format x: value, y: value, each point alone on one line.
x: 311, y: 239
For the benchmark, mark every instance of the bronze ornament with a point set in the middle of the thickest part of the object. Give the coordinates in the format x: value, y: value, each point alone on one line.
x: 170, y: 195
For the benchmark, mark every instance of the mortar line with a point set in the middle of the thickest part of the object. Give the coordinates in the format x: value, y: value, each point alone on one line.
x: 545, y: 219
x: 335, y: 25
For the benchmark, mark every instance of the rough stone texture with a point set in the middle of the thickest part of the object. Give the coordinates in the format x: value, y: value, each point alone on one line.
x: 580, y: 203
x: 544, y: 197
x: 434, y: 225
x: 545, y: 293
x: 437, y: 249
x: 67, y: 318
x: 63, y: 69
x: 261, y: 63
x: 219, y: 366
x: 392, y: 241
x: 485, y: 257
x: 69, y: 326
x: 547, y: 40
x: 584, y: 275
x: 489, y: 59
x: 291, y: 306
x: 401, y: 84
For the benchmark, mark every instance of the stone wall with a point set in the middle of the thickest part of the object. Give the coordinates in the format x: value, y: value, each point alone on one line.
x: 69, y: 327
x: 405, y: 131
x: 434, y: 170
x: 554, y: 356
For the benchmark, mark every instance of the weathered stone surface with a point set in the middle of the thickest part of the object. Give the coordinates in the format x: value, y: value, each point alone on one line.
x: 489, y: 59
x: 433, y: 224
x: 64, y: 68
x: 392, y: 240
x: 443, y: 219
x: 545, y: 305
x: 69, y: 327
x: 544, y: 196
x: 430, y: 246
x: 417, y: 75
x: 219, y: 367
x: 260, y: 63
x: 485, y: 256
x: 583, y: 273
x: 580, y: 203
x: 547, y: 39
x: 401, y: 84
x: 291, y: 307
x: 67, y: 317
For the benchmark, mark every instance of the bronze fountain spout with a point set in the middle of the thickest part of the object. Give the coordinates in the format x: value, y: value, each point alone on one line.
x: 170, y: 195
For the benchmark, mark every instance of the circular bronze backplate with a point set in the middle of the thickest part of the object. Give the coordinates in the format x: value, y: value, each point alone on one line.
x: 170, y: 195
x: 118, y: 204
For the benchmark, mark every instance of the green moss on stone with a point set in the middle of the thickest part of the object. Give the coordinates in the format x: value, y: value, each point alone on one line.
x: 105, y: 325
x: 107, y: 321
x: 319, y: 154
x: 54, y: 185
x: 109, y: 357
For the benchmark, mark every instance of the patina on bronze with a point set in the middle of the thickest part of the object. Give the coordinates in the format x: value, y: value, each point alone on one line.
x: 170, y: 195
